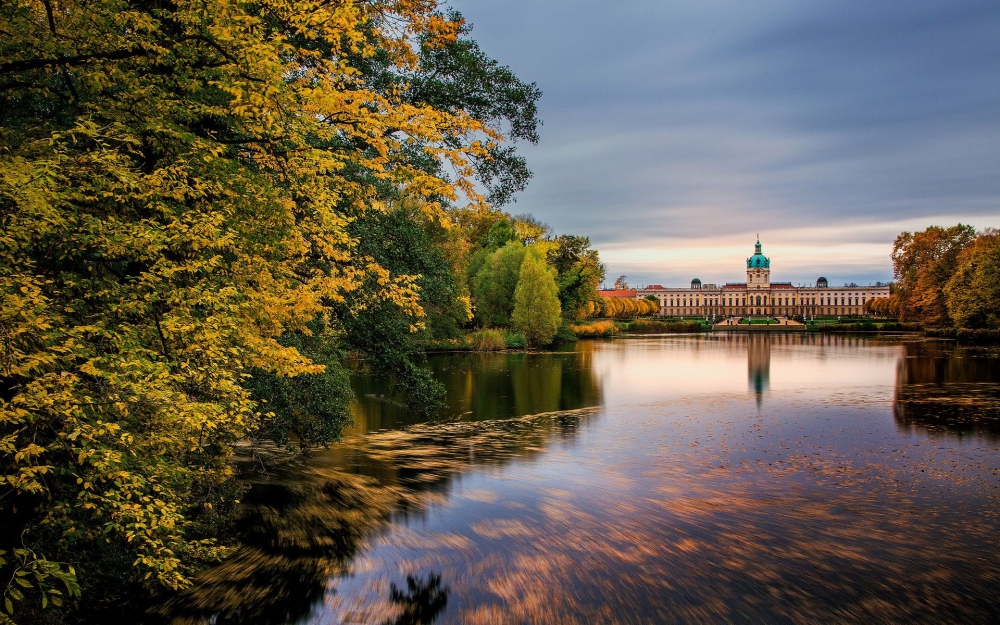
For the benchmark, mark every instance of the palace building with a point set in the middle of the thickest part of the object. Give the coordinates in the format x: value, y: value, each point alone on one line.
x: 760, y: 296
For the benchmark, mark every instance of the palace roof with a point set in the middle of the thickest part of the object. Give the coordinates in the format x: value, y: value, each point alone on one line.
x: 617, y: 293
x: 758, y: 260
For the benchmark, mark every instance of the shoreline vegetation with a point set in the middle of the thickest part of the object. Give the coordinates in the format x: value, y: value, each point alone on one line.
x: 497, y: 340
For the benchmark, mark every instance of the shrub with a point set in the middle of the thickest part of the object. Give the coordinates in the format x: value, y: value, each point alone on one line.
x: 651, y: 326
x: 564, y: 334
x: 515, y: 340
x: 596, y: 328
x: 488, y: 341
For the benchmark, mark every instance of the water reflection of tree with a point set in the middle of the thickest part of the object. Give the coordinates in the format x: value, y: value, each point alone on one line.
x: 298, y: 532
x: 421, y: 603
x: 485, y: 386
x: 941, y: 388
x: 498, y: 386
x: 304, y: 525
x: 426, y: 457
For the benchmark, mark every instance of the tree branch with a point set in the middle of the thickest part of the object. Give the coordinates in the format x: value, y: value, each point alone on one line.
x: 11, y: 67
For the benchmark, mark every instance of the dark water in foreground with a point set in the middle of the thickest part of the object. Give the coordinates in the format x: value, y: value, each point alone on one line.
x: 699, y: 479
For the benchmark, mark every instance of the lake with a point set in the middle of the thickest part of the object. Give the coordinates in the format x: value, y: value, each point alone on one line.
x: 772, y: 478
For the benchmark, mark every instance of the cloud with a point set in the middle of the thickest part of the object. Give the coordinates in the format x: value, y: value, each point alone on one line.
x: 692, y: 126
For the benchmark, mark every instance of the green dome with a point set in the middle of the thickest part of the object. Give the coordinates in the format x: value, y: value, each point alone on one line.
x: 758, y: 260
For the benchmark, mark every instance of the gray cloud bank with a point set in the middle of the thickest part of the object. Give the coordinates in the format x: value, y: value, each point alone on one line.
x: 827, y: 127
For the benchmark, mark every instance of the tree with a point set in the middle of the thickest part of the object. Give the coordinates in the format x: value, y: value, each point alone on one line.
x: 973, y: 293
x: 176, y: 188
x: 579, y: 272
x: 312, y: 408
x: 455, y: 75
x: 530, y: 230
x: 536, y: 302
x: 495, y: 283
x: 501, y: 233
x: 923, y: 262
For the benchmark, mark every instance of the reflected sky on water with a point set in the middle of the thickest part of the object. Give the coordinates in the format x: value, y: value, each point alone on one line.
x: 765, y: 478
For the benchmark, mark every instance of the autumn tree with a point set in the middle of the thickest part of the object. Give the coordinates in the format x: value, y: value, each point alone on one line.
x: 177, y: 188
x: 531, y: 231
x: 973, y: 292
x: 923, y: 263
x: 536, y: 302
x: 453, y: 74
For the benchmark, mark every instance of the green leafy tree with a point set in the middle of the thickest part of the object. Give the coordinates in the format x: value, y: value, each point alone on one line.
x: 373, y: 323
x: 579, y: 272
x: 973, y: 293
x: 536, y: 302
x: 310, y: 408
x: 495, y: 283
x: 501, y: 233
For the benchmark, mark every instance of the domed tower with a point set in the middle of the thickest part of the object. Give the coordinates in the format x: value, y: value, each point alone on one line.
x: 696, y: 284
x: 758, y: 270
x: 822, y: 283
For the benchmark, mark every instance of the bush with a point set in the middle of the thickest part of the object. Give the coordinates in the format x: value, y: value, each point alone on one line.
x: 564, y: 334
x: 515, y: 340
x: 488, y: 341
x: 597, y: 328
x: 981, y: 336
x: 651, y: 326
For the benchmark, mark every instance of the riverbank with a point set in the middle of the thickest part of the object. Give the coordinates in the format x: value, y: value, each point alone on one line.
x: 499, y: 339
x: 965, y: 335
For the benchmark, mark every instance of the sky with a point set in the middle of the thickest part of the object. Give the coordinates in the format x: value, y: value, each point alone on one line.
x: 675, y: 132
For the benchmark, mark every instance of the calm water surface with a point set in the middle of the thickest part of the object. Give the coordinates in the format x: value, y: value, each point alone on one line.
x: 697, y: 479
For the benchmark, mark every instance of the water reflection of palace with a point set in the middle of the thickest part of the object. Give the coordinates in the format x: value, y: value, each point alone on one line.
x: 759, y: 364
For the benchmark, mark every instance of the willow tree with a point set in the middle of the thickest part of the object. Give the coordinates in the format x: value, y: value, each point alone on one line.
x: 176, y: 186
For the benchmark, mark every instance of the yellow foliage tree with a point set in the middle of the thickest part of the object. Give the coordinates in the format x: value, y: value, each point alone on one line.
x: 175, y: 187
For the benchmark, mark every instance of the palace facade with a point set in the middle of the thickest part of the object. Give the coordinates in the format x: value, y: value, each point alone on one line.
x: 760, y: 296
